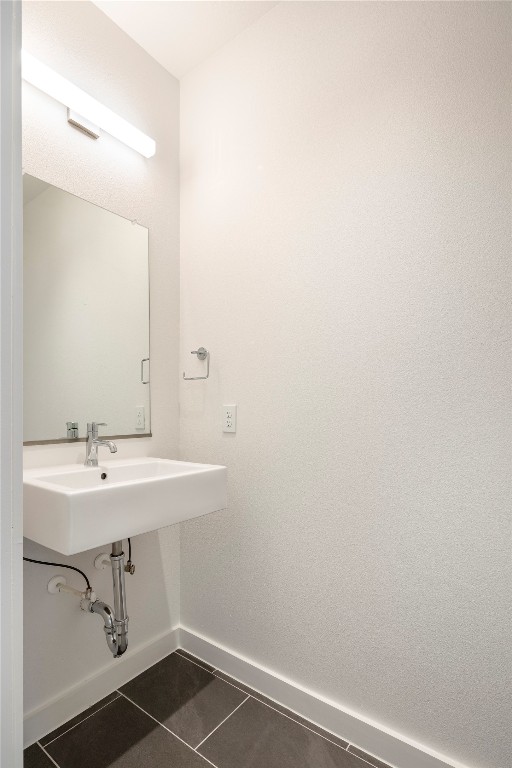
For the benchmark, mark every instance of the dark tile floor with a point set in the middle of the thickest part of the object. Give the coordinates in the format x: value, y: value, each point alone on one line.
x: 182, y: 713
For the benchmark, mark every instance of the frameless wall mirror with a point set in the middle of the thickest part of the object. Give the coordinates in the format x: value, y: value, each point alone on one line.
x: 86, y: 318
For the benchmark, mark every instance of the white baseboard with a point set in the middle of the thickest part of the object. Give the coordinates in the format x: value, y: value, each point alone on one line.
x: 374, y: 738
x: 53, y: 713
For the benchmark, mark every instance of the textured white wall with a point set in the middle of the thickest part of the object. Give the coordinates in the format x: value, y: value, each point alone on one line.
x: 81, y: 43
x: 346, y: 258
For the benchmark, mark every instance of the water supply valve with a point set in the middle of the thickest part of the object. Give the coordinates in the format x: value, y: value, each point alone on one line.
x: 58, y: 584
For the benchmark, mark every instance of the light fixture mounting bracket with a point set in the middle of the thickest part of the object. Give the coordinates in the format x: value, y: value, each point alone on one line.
x: 82, y: 124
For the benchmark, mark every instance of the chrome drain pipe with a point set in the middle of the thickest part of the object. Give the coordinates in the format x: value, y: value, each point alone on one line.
x: 106, y: 613
x: 115, y: 621
x: 120, y: 615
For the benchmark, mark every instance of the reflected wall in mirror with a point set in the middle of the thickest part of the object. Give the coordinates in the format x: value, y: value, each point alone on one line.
x: 86, y: 317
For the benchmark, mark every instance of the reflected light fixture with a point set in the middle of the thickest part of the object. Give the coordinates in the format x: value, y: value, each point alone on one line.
x: 80, y: 103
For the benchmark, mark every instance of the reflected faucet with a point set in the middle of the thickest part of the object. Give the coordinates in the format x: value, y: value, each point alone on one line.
x: 93, y: 443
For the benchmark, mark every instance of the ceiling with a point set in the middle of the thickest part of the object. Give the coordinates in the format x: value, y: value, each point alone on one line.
x: 180, y: 34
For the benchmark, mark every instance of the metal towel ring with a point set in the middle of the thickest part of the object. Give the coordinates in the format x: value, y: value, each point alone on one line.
x: 202, y: 354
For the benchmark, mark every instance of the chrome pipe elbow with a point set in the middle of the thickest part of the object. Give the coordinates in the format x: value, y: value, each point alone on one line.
x: 115, y: 631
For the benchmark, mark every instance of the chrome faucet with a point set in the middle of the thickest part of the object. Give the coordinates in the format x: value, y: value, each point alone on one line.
x: 93, y: 443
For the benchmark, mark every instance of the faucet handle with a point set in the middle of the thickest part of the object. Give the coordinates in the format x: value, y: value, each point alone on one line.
x: 92, y: 427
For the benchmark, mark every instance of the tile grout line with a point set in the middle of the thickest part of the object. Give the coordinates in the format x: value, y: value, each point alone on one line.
x: 81, y: 721
x: 263, y: 702
x: 194, y: 662
x: 222, y: 723
x: 47, y: 755
x: 167, y: 729
x: 194, y: 749
x: 288, y: 716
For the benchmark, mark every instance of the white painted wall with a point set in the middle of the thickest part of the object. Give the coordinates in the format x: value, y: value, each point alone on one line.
x: 86, y: 317
x: 81, y: 43
x: 346, y: 258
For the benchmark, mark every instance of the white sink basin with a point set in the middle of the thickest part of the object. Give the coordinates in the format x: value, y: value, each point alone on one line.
x: 71, y: 508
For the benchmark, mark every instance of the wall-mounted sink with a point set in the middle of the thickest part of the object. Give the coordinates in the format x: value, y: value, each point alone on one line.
x: 72, y: 508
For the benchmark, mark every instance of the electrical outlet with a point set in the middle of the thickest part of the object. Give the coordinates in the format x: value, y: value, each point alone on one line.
x: 140, y: 418
x: 229, y: 418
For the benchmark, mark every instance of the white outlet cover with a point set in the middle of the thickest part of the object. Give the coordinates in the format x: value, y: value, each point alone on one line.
x: 229, y: 418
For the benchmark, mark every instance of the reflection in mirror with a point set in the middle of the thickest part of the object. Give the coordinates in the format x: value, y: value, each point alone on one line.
x: 86, y: 318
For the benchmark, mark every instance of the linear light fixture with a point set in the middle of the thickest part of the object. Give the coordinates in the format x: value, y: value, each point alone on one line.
x: 62, y: 90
